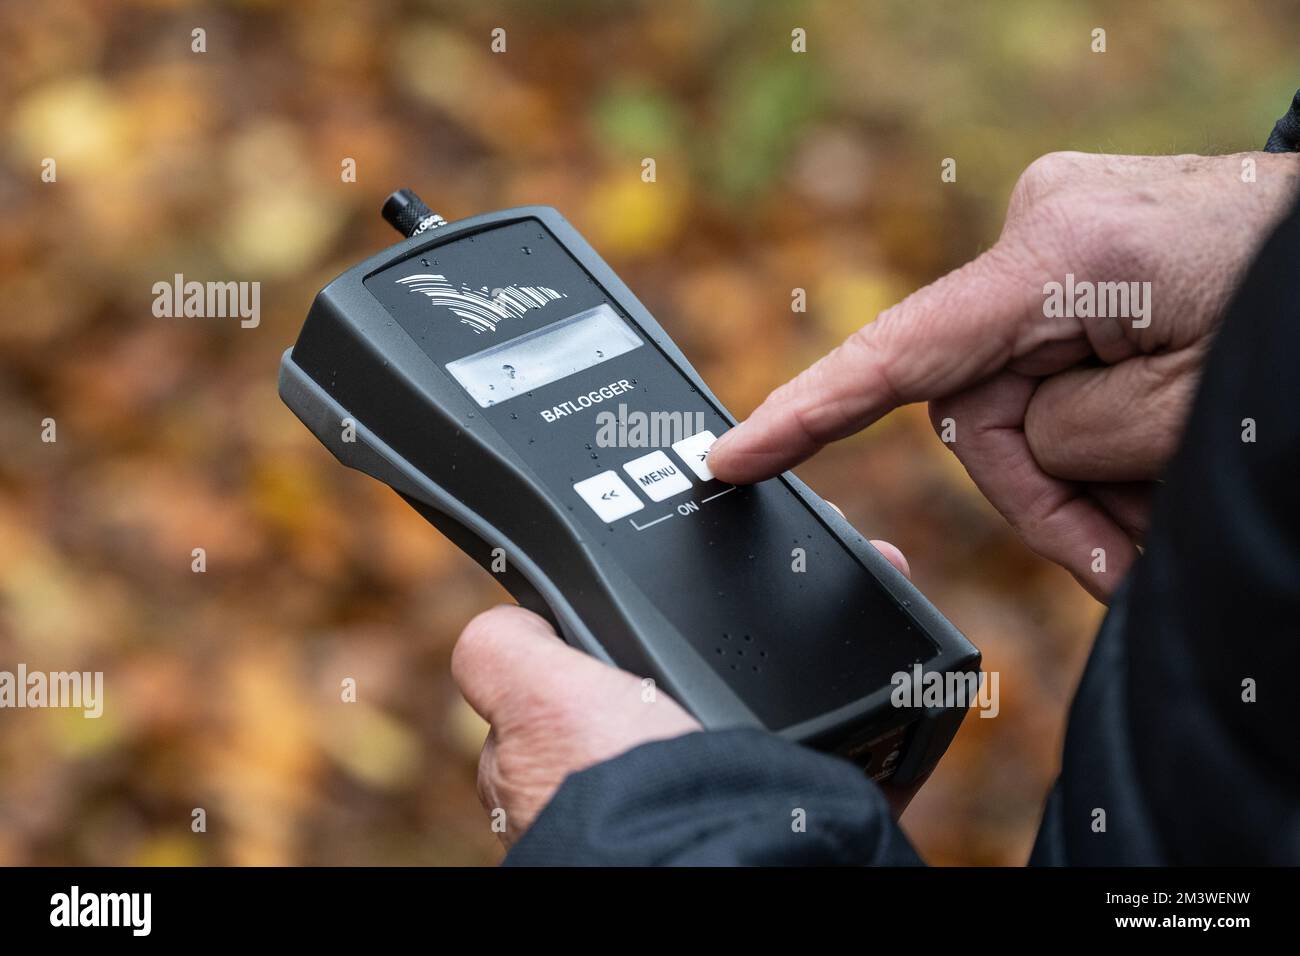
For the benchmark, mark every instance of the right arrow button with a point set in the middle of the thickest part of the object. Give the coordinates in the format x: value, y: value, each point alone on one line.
x: 695, y: 452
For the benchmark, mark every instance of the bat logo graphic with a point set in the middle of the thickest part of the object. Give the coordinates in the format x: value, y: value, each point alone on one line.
x: 480, y: 308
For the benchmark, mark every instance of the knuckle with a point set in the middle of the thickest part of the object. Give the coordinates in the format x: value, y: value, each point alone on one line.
x: 1044, y: 176
x: 809, y: 400
x: 871, y: 343
x: 1094, y: 233
x: 523, y: 775
x: 1057, y: 221
x: 1111, y: 240
x: 1036, y: 519
x: 1047, y: 427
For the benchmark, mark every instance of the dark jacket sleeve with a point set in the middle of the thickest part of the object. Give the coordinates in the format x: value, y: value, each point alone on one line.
x: 1182, y: 741
x: 739, y: 797
x: 1184, y: 730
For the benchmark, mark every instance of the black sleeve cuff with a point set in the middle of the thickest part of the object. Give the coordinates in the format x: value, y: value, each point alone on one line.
x: 737, y: 797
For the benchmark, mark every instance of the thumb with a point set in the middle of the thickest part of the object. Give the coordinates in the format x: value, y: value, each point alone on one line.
x: 508, y: 659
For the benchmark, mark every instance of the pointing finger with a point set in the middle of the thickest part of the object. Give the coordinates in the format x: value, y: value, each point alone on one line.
x: 941, y: 339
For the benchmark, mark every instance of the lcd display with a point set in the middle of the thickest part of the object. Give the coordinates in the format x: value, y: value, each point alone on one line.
x: 544, y: 355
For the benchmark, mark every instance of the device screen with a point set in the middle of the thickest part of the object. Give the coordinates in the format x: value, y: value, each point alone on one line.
x: 544, y: 355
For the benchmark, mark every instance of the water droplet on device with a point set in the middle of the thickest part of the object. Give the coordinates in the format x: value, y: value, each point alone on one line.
x: 528, y: 250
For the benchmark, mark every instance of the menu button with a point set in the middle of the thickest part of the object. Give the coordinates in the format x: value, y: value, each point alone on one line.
x: 657, y: 476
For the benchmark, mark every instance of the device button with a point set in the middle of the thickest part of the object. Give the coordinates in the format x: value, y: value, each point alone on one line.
x: 695, y: 452
x: 608, y: 496
x: 657, y: 476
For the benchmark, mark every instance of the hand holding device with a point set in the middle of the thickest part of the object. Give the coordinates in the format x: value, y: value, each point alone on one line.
x: 1064, y: 422
x: 555, y: 711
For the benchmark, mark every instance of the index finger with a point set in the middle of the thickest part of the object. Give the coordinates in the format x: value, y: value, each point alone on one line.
x: 939, y: 340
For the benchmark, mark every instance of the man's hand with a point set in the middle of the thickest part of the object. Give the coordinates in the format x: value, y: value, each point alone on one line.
x: 555, y: 711
x: 1063, y: 423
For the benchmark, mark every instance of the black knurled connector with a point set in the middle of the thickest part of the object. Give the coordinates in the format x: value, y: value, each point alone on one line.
x: 407, y: 213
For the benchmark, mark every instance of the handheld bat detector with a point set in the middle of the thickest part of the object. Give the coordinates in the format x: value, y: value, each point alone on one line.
x: 501, y: 378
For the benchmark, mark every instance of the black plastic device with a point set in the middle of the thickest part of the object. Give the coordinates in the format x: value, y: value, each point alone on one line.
x: 472, y: 368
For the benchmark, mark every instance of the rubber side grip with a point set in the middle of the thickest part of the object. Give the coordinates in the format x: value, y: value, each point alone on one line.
x: 481, y: 552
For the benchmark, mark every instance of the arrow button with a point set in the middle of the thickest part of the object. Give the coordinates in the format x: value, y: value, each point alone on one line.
x: 695, y: 452
x: 608, y: 496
